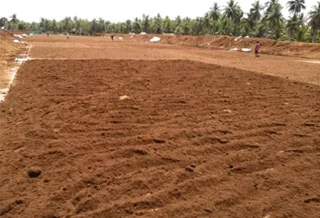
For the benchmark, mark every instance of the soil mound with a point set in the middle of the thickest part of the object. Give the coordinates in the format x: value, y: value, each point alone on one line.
x: 7, y: 48
x: 269, y: 46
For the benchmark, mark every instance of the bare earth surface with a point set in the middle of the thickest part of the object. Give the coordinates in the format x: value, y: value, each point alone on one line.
x: 8, y: 52
x: 100, y: 48
x: 190, y: 140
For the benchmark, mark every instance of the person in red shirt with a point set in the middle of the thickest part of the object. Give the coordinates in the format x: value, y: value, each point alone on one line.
x: 256, y: 50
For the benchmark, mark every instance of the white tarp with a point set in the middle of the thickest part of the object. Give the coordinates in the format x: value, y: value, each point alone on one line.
x: 155, y: 39
x: 120, y: 38
x: 16, y: 41
x: 143, y: 33
x: 20, y: 60
x: 17, y: 36
x: 239, y: 37
x: 246, y: 49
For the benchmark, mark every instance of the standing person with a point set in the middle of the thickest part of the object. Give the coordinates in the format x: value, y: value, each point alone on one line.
x: 67, y: 35
x: 47, y: 34
x: 256, y: 50
x: 112, y: 37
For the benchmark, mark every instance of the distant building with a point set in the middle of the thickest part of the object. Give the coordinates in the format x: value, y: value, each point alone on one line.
x: 74, y: 31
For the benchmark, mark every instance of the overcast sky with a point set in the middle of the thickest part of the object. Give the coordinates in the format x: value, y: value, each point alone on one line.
x: 116, y: 10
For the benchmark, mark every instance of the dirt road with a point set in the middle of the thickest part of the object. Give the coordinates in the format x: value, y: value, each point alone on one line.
x: 158, y: 138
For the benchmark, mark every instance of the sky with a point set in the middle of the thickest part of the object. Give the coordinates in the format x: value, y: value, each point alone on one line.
x: 116, y: 10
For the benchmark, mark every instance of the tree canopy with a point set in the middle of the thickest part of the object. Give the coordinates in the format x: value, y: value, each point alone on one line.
x: 261, y: 21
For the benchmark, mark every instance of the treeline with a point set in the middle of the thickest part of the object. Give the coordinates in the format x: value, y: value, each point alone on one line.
x: 263, y: 20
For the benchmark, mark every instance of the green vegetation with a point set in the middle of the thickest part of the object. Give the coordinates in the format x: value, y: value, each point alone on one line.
x: 262, y: 21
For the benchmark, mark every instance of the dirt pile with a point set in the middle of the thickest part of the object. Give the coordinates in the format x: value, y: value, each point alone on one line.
x: 7, y: 48
x: 269, y: 46
x: 191, y: 140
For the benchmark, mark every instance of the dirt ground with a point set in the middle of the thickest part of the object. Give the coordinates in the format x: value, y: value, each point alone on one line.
x: 145, y: 135
x: 7, y: 48
x: 57, y: 47
x: 8, y: 52
x: 269, y: 46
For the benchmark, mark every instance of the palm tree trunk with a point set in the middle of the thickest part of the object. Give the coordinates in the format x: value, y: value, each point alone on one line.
x: 314, y: 33
x: 234, y: 28
x: 278, y: 33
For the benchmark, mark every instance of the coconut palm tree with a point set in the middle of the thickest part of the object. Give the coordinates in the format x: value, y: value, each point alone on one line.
x: 45, y: 24
x: 101, y: 28
x: 231, y: 10
x: 255, y: 11
x: 198, y: 26
x: 157, y: 24
x: 254, y: 15
x: 137, y: 26
x: 145, y: 23
x: 14, y: 19
x: 225, y: 26
x: 275, y: 19
x: 13, y: 22
x: 67, y: 24
x: 234, y: 13
x: 314, y: 20
x: 296, y: 27
x: 207, y: 23
x: 93, y: 27
x: 212, y: 17
x: 54, y: 26
x: 296, y: 6
x: 302, y: 27
x: 3, y: 21
x: 293, y: 27
x: 269, y: 5
x: 167, y: 25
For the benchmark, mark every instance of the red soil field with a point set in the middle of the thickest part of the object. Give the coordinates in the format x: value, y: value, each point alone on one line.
x: 99, y: 128
x: 57, y: 47
x: 8, y: 52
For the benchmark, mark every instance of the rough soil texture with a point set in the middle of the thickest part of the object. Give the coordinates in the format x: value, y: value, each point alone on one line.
x: 269, y: 46
x: 7, y: 48
x: 8, y: 51
x: 58, y: 47
x: 190, y: 140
